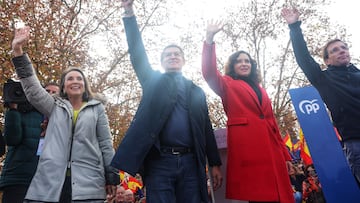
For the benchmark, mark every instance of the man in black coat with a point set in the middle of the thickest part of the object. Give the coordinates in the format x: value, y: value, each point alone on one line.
x: 338, y: 86
x: 171, y: 135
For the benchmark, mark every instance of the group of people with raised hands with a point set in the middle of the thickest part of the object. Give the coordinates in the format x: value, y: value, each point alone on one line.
x: 170, y: 140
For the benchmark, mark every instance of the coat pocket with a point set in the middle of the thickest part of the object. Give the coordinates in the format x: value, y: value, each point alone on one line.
x: 237, y: 121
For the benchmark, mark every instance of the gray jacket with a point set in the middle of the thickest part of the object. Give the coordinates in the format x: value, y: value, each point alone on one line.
x: 88, y: 149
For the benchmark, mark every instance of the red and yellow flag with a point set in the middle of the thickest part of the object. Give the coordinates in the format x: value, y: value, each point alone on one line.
x: 134, y: 184
x: 304, y: 151
x: 122, y: 175
x: 297, y: 146
x: 129, y: 182
x: 288, y: 142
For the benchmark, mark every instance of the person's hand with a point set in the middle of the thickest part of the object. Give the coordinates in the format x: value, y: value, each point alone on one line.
x: 128, y: 7
x: 213, y: 27
x: 216, y: 177
x: 110, y: 191
x: 290, y: 15
x: 21, y: 38
x: 110, y: 199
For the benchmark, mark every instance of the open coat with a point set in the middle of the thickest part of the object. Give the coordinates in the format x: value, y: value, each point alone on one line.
x: 158, y: 100
x: 86, y: 146
x: 256, y: 166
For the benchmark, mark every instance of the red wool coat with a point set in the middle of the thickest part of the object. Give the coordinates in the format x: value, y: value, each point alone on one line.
x: 256, y: 162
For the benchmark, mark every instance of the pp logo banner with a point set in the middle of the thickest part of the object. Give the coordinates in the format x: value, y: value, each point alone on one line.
x: 326, y: 152
x: 309, y: 106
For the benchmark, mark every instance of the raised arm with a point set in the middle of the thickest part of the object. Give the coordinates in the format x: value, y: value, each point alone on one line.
x: 211, y: 30
x: 137, y: 52
x: 290, y: 15
x: 128, y: 8
x: 306, y: 62
x: 209, y: 68
x: 34, y: 92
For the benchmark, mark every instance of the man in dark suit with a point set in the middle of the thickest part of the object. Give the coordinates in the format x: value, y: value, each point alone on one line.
x: 171, y: 135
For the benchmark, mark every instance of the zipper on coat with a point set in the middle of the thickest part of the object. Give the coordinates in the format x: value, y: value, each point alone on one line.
x: 68, y: 170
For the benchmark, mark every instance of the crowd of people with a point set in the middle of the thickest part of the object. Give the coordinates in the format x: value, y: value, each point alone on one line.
x: 127, y: 192
x: 60, y: 149
x: 305, y: 183
x: 304, y: 180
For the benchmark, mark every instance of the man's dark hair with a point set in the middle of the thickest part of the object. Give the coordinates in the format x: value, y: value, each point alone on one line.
x: 325, y: 49
x: 170, y: 46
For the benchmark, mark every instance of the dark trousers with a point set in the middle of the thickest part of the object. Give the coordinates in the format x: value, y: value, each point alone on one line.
x: 65, y: 196
x: 172, y: 178
x: 352, y: 153
x: 14, y: 194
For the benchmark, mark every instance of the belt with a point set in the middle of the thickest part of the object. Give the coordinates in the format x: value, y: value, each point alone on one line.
x: 176, y: 150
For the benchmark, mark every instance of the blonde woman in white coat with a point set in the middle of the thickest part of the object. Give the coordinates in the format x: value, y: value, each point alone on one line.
x: 73, y: 165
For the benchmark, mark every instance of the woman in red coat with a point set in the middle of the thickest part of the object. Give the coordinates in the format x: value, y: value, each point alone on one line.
x: 257, y: 165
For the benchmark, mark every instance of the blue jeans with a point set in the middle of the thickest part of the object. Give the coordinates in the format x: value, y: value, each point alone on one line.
x: 352, y: 152
x: 172, y: 179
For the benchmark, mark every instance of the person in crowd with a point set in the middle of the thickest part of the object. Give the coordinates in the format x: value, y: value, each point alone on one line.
x: 75, y: 162
x: 337, y: 85
x: 312, y: 191
x: 296, y: 178
x: 129, y: 196
x: 254, y: 142
x: 22, y: 135
x: 120, y: 194
x: 52, y: 89
x: 173, y: 125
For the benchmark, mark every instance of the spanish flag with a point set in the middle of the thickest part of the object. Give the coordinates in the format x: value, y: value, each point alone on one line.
x: 297, y: 146
x: 304, y: 151
x: 129, y: 182
x: 288, y: 142
x: 122, y: 176
x: 134, y: 184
